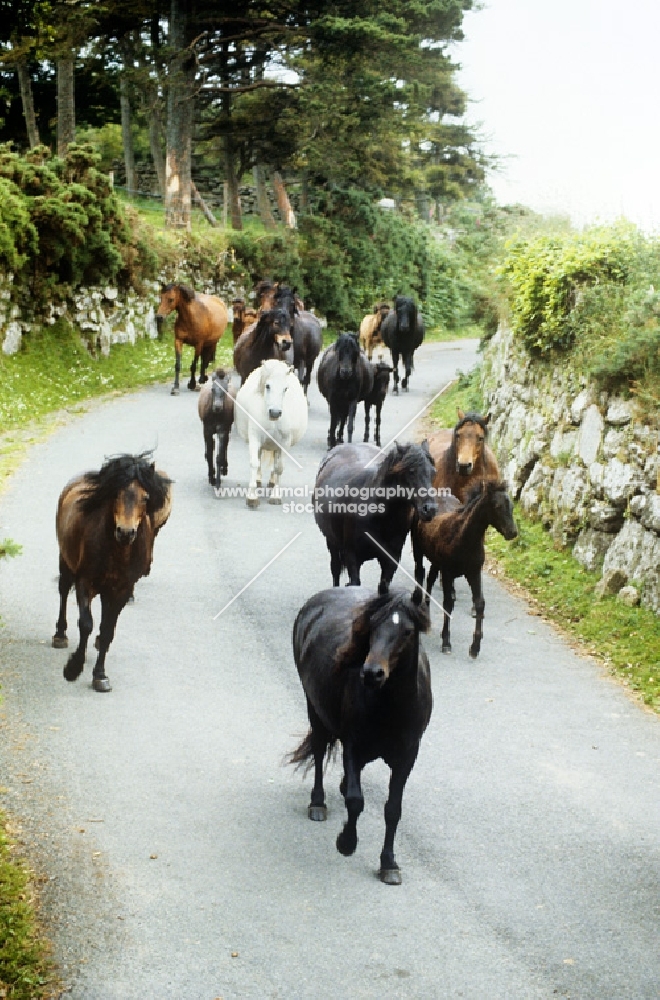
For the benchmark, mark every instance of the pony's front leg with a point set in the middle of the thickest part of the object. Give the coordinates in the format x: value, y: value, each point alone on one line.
x: 407, y: 362
x: 395, y: 373
x: 76, y: 661
x: 332, y: 437
x: 208, y: 453
x: 418, y: 557
x: 177, y: 367
x: 254, y: 447
x: 223, y: 442
x: 111, y: 608
x: 342, y: 424
x: 389, y: 870
x: 352, y: 409
x: 352, y: 792
x: 335, y: 564
x: 387, y: 571
x: 379, y: 407
x: 275, y: 495
x: 207, y: 355
x: 474, y: 579
x: 448, y: 607
x: 66, y: 581
x: 192, y: 384
x: 352, y: 567
x: 367, y: 410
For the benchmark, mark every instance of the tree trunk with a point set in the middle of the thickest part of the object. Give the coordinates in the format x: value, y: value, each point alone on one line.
x: 179, y: 120
x: 156, y: 142
x: 127, y: 135
x: 25, y: 87
x: 208, y: 214
x: 232, y: 186
x: 66, y: 107
x: 263, y: 204
x: 283, y: 202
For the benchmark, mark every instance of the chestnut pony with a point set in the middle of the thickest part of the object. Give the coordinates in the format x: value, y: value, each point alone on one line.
x: 462, y: 456
x: 200, y: 322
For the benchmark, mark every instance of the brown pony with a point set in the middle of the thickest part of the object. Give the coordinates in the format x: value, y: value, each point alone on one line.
x: 370, y: 328
x: 244, y: 317
x: 462, y: 456
x: 106, y: 525
x: 201, y: 321
x: 453, y: 542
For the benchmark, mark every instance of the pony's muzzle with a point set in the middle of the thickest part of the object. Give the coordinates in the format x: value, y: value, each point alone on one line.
x: 274, y: 414
x: 464, y: 468
x: 345, y: 372
x: 373, y: 675
x: 428, y: 510
x: 125, y: 536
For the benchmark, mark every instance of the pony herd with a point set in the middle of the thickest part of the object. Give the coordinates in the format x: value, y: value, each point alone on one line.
x: 359, y: 654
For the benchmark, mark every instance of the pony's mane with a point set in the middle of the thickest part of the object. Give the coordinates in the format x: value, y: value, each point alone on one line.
x: 405, y: 460
x: 472, y: 418
x: 263, y: 286
x: 119, y: 472
x: 286, y: 298
x: 186, y: 291
x: 263, y: 331
x: 347, y: 339
x: 483, y: 487
x: 371, y: 614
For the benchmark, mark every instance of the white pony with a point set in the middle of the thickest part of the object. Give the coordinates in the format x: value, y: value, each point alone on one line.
x: 271, y: 415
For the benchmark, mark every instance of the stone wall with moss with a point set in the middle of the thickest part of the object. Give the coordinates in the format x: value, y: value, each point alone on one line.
x: 581, y: 460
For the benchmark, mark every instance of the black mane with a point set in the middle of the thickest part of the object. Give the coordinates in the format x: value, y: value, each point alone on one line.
x: 472, y: 418
x: 263, y: 332
x: 119, y: 472
x: 371, y: 614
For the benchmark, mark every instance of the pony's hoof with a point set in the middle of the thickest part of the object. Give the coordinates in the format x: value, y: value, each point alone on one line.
x: 218, y: 491
x: 60, y: 642
x: 252, y: 502
x: 174, y: 391
x: 97, y: 642
x: 446, y: 647
x: 395, y: 392
x: 390, y: 876
x: 317, y: 813
x: 275, y: 500
x: 474, y: 653
x: 101, y: 684
x: 72, y: 672
x: 346, y: 845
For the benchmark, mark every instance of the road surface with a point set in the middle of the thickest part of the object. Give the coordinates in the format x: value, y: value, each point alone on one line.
x: 178, y: 858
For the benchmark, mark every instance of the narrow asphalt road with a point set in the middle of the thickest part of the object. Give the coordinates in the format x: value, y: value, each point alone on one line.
x: 178, y: 858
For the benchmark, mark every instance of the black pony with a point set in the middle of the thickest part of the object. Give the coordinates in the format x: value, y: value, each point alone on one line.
x: 345, y: 377
x: 402, y: 331
x: 368, y: 684
x: 270, y: 337
x: 106, y: 523
x: 365, y: 501
x: 307, y: 333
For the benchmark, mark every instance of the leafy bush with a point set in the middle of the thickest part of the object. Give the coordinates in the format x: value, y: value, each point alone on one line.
x: 550, y: 275
x: 74, y: 230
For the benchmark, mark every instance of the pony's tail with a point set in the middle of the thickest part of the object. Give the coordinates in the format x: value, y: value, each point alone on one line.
x: 303, y: 755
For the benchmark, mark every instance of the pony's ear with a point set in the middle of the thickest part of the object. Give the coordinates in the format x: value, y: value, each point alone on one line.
x: 425, y: 446
x: 460, y: 413
x: 486, y: 419
x: 416, y: 596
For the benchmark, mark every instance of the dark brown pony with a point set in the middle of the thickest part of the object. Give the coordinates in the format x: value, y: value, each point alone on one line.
x: 106, y: 525
x: 244, y: 316
x: 368, y: 685
x: 270, y: 337
x: 215, y: 407
x: 307, y: 333
x: 453, y: 542
x: 200, y: 322
x: 462, y: 456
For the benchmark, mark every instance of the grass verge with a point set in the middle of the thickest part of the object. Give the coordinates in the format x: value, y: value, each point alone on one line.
x: 626, y: 640
x: 26, y: 972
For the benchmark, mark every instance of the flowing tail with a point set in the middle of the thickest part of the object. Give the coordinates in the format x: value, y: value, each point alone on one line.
x: 303, y: 755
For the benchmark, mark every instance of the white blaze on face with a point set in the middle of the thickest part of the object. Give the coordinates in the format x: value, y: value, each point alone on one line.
x: 395, y: 617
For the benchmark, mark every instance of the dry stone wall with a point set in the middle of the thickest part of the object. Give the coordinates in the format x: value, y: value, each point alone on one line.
x: 581, y: 461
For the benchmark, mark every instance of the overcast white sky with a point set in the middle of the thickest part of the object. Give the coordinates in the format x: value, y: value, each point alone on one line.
x: 569, y: 92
